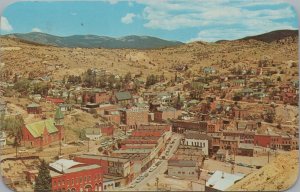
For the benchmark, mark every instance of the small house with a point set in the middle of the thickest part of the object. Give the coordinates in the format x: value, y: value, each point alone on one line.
x: 34, y: 108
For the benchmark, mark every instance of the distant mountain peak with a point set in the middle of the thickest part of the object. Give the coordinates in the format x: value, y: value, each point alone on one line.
x: 94, y: 41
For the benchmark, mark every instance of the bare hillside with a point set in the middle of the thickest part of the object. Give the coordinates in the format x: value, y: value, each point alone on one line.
x: 19, y: 57
x: 279, y: 175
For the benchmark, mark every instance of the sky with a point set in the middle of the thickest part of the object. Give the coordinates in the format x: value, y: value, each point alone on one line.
x: 180, y: 20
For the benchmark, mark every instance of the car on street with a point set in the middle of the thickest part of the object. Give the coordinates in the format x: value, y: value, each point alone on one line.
x: 146, y: 174
x: 132, y: 185
x: 152, y: 168
x: 158, y: 163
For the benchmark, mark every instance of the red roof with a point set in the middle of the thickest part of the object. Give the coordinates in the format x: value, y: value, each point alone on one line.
x: 55, y: 100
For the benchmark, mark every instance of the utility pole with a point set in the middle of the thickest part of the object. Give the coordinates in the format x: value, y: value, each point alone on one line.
x: 269, y: 156
x: 157, y: 179
x: 60, y: 147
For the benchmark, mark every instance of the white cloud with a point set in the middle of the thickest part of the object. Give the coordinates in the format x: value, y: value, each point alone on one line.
x: 130, y: 3
x: 256, y: 27
x: 73, y: 14
x: 113, y: 1
x: 35, y: 29
x: 218, y: 19
x: 5, y: 25
x: 128, y: 18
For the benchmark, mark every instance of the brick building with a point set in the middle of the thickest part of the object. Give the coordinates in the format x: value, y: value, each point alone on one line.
x: 106, y: 129
x: 114, y: 166
x: 112, y: 115
x: 216, y: 141
x: 262, y: 140
x: 123, y: 98
x: 239, y: 113
x: 229, y: 143
x: 214, y: 126
x: 69, y: 175
x: 181, y: 126
x: 96, y: 96
x: 163, y: 114
x: 34, y: 108
x: 44, y: 133
x: 134, y: 116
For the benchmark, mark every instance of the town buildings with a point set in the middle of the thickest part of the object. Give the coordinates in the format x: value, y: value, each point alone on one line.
x: 34, y: 108
x: 202, y: 141
x: 186, y: 163
x: 134, y: 116
x: 69, y: 175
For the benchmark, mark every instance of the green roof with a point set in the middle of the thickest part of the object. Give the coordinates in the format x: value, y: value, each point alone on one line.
x: 123, y: 96
x: 58, y: 114
x: 37, y: 129
x: 32, y: 105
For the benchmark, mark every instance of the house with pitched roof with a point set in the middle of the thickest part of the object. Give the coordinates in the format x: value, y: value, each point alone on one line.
x: 44, y: 133
x: 123, y: 98
x: 34, y: 108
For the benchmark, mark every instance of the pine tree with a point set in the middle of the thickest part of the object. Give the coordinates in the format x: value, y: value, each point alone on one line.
x: 43, y: 180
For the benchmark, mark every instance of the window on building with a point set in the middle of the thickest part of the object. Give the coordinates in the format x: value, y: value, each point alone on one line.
x: 54, y: 183
x: 117, y: 184
x: 58, y: 183
x: 72, y: 181
x: 179, y: 172
x: 80, y: 180
x: 183, y: 172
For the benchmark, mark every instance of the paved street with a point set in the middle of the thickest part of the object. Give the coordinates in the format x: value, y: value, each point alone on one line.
x: 160, y: 169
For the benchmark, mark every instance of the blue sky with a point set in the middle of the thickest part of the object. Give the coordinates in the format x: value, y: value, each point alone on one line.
x: 173, y: 20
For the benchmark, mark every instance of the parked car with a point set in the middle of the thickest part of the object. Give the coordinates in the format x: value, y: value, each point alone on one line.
x: 152, y: 168
x: 146, y: 174
x: 211, y: 172
x: 158, y: 163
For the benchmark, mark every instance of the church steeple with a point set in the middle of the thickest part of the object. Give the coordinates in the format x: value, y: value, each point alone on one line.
x: 59, y: 116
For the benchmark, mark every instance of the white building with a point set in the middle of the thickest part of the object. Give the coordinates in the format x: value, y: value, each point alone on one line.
x: 221, y: 181
x: 193, y: 138
x: 93, y: 133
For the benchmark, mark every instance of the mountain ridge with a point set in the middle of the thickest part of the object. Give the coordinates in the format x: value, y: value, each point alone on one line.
x: 95, y: 41
x: 131, y: 41
x: 273, y: 35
